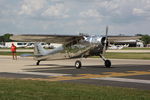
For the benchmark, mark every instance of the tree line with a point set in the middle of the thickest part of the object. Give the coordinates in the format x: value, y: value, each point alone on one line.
x: 145, y: 39
x: 6, y: 37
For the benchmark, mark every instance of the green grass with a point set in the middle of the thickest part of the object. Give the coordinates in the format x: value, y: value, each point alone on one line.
x: 18, y: 53
x: 134, y: 48
x: 110, y: 55
x: 17, y: 48
x: 128, y: 48
x: 15, y: 89
x: 113, y: 55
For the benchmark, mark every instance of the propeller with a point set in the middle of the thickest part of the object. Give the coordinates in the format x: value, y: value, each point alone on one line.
x: 106, y: 41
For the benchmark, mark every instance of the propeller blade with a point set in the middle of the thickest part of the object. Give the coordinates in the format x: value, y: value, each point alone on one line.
x: 106, y: 41
x: 106, y: 32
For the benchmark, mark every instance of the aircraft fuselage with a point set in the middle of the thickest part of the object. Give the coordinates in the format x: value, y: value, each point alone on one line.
x: 89, y: 46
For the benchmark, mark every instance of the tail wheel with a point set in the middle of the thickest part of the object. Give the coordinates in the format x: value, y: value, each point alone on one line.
x: 108, y: 63
x: 78, y: 64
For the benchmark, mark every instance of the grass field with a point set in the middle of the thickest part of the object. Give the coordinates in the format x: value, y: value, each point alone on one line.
x: 127, y: 48
x: 18, y: 53
x: 111, y: 55
x: 134, y: 48
x: 115, y: 55
x: 15, y: 89
x: 17, y: 48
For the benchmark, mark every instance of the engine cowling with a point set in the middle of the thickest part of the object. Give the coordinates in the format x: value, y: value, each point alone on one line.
x: 96, y: 40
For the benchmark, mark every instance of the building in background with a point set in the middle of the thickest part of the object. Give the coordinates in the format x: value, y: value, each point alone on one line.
x: 131, y: 41
x: 29, y: 45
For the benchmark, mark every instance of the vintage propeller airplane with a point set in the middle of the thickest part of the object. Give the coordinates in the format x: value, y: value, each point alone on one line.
x: 72, y: 47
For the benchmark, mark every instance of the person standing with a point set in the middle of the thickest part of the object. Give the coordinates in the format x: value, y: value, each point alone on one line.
x: 13, y: 50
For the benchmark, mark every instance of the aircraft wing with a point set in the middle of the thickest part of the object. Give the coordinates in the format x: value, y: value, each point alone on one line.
x: 62, y: 39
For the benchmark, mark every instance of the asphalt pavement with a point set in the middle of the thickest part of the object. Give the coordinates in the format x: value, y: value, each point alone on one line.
x: 129, y: 73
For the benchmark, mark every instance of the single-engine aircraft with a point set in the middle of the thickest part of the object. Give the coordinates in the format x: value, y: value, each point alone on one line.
x: 72, y: 47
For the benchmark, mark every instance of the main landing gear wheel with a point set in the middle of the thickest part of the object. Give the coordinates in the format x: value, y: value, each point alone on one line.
x: 107, y: 63
x: 38, y: 62
x: 78, y: 64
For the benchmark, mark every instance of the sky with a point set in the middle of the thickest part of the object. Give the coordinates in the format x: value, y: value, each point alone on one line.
x: 127, y: 17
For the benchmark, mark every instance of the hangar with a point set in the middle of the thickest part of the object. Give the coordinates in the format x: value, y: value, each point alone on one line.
x: 132, y: 41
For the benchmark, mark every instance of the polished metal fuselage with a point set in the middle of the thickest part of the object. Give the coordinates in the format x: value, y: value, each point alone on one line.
x: 88, y: 46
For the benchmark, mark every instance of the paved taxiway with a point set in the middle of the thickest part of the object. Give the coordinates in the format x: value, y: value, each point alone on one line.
x: 128, y: 73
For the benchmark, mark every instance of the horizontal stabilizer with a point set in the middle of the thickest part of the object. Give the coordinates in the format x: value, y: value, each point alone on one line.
x: 26, y: 55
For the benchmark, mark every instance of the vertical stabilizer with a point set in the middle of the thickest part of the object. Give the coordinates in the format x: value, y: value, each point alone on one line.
x: 39, y: 50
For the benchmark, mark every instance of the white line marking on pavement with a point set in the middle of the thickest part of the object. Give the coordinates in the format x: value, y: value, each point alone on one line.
x: 124, y: 80
x: 43, y: 74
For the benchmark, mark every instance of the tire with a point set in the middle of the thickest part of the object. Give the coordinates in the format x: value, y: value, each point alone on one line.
x: 107, y: 63
x: 78, y: 64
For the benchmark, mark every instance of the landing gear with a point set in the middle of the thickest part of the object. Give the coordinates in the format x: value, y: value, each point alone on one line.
x: 78, y: 64
x: 38, y: 62
x: 106, y: 62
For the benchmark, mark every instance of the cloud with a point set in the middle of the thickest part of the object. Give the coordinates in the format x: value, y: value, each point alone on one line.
x: 63, y: 16
x: 137, y: 11
x: 141, y: 12
x: 58, y: 11
x: 28, y: 7
x: 90, y: 13
x: 109, y: 5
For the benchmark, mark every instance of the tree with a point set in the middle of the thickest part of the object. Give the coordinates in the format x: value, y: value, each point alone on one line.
x: 6, y: 38
x: 1, y: 39
x: 138, y: 34
x: 146, y: 39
